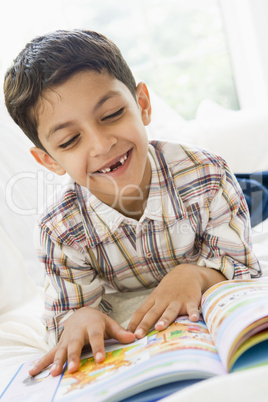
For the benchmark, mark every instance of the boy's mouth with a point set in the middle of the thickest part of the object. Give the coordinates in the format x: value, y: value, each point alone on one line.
x: 114, y: 166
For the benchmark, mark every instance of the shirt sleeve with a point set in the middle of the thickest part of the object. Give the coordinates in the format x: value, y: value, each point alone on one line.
x: 70, y: 283
x: 226, y: 241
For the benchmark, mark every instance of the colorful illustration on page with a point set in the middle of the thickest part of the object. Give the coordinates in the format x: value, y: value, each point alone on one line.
x: 180, y: 335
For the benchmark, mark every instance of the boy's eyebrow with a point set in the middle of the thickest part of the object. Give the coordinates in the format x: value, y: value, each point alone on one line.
x: 66, y: 124
x: 107, y: 96
x: 58, y: 127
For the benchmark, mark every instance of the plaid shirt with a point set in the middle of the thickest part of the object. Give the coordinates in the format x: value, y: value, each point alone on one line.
x: 195, y: 214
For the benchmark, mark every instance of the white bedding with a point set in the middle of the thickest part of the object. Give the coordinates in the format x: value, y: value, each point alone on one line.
x: 22, y: 334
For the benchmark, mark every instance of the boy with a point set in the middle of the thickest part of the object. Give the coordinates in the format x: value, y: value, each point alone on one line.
x: 134, y: 215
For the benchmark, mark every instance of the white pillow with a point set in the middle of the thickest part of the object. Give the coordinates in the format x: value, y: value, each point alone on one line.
x: 240, y: 137
x: 24, y: 188
x: 166, y: 123
x: 16, y: 286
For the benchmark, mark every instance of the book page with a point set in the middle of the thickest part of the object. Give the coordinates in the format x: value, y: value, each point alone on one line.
x: 184, y: 351
x: 24, y: 387
x: 234, y: 311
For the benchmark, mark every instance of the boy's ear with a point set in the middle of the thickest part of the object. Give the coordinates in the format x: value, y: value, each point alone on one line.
x: 143, y: 99
x: 46, y: 160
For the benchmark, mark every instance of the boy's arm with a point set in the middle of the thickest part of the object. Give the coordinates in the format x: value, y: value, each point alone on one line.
x: 70, y: 284
x: 226, y: 241
x: 225, y: 252
x: 73, y: 296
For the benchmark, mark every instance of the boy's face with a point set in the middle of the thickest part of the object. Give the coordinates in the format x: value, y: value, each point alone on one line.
x: 93, y: 129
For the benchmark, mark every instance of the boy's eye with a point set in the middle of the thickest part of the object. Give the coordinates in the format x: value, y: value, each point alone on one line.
x: 70, y: 142
x: 113, y: 115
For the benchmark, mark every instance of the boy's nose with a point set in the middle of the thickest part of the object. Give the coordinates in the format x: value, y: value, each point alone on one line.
x: 101, y: 144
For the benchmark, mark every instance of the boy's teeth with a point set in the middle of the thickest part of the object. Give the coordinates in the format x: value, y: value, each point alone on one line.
x: 105, y: 170
x: 122, y: 161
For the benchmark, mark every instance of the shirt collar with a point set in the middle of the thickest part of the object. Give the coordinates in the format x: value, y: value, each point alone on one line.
x: 99, y: 219
x: 164, y: 203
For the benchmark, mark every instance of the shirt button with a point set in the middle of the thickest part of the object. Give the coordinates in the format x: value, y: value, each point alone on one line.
x: 149, y: 255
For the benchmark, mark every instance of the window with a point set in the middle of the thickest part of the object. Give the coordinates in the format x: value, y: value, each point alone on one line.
x: 177, y: 47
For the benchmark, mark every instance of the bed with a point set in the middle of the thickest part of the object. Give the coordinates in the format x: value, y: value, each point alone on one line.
x: 239, y: 136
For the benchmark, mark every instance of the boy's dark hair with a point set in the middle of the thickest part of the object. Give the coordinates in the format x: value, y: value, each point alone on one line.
x: 50, y: 60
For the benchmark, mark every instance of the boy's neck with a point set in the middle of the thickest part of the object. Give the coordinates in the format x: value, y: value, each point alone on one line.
x: 133, y: 209
x: 132, y: 205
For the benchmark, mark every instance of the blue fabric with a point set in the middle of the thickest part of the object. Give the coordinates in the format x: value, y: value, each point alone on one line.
x: 255, y: 189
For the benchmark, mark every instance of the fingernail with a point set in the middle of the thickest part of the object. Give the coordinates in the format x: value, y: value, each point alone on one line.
x: 54, y: 367
x: 195, y: 316
x: 160, y: 323
x: 71, y: 365
x: 99, y: 356
x: 34, y: 366
x: 139, y: 333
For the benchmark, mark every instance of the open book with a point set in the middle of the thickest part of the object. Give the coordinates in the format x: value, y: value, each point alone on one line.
x: 233, y: 336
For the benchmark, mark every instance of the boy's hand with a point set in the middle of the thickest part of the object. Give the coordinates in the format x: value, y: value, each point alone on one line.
x: 86, y: 325
x: 178, y: 293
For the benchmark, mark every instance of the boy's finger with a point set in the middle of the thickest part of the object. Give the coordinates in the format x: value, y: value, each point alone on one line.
x: 139, y: 314
x: 74, y: 352
x: 43, y: 363
x: 148, y: 321
x: 168, y: 316
x: 96, y: 340
x: 114, y: 330
x: 193, y: 312
x: 59, y: 360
